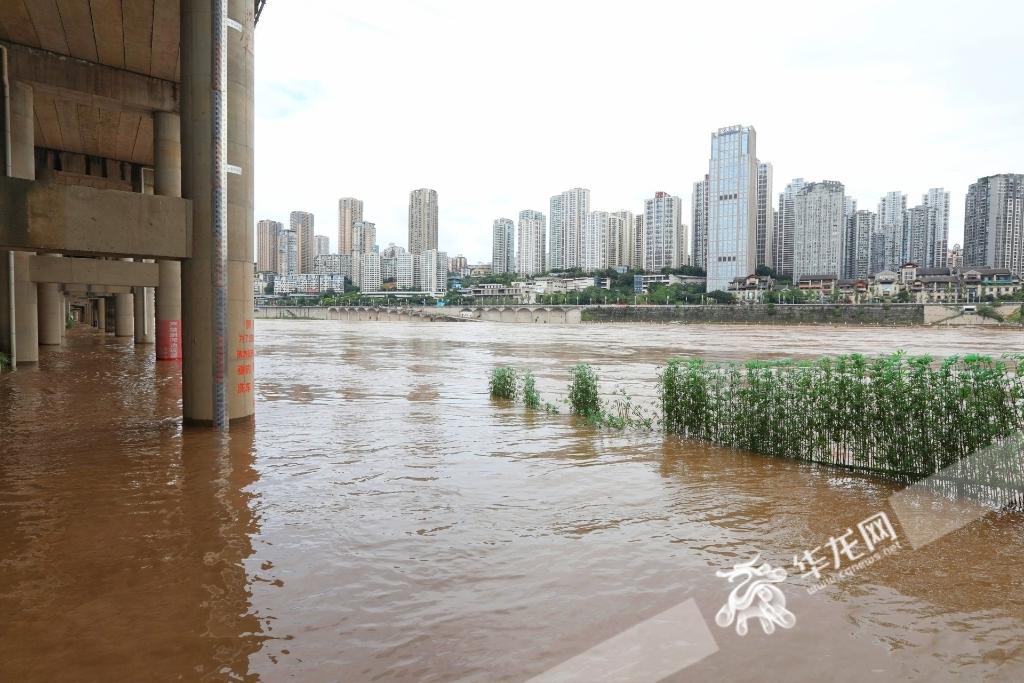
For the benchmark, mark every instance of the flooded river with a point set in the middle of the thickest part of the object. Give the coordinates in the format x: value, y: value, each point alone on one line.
x: 384, y: 520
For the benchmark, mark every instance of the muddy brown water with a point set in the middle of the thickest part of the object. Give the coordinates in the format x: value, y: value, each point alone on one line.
x: 384, y: 520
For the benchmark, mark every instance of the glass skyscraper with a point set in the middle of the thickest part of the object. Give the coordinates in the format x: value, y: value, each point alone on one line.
x: 732, y: 206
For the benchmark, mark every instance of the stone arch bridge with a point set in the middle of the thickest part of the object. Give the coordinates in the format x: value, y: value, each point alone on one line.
x: 538, y: 314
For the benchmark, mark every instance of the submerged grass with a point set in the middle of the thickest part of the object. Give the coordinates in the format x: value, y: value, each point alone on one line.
x: 902, y: 416
x: 899, y: 414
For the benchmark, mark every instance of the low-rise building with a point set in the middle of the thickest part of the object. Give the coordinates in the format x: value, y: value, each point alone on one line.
x: 750, y: 288
x: 823, y: 284
x: 308, y: 283
x: 642, y: 283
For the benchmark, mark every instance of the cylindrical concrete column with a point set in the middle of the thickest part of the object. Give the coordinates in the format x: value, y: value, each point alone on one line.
x: 167, y: 182
x: 51, y: 310
x: 23, y: 165
x: 111, y: 318
x: 51, y: 313
x: 101, y: 314
x: 87, y: 313
x: 197, y: 181
x: 124, y: 315
x: 145, y: 332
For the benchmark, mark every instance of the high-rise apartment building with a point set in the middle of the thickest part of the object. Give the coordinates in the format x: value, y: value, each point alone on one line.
x: 860, y: 227
x: 364, y: 237
x: 267, y: 234
x: 568, y: 219
x: 819, y: 231
x: 785, y: 221
x: 431, y: 272
x: 699, y: 221
x: 849, y: 207
x: 503, y: 236
x: 638, y: 241
x: 422, y: 220
x: 937, y: 202
x: 531, y: 258
x: 350, y: 211
x: 622, y: 250
x: 323, y: 245
x: 732, y: 206
x: 366, y: 271
x: 994, y: 223
x: 287, y: 253
x: 876, y: 258
x: 916, y: 231
x: 594, y: 243
x: 662, y: 225
x: 405, y: 272
x: 302, y: 223
x: 765, y: 215
x: 892, y: 223
x: 333, y: 264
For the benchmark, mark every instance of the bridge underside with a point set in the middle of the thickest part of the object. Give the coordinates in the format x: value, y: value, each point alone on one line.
x: 107, y: 157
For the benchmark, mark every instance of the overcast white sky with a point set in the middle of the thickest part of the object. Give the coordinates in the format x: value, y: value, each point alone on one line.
x: 498, y: 105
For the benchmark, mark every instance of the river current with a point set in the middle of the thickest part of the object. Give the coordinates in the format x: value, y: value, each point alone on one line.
x: 383, y: 519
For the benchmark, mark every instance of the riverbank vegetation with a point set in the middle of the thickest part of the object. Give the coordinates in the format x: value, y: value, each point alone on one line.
x: 899, y: 415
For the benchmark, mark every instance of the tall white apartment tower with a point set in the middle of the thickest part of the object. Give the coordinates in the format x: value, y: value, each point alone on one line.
x: 432, y: 272
x: 503, y: 235
x: 622, y: 248
x: 594, y: 245
x: 765, y: 215
x: 638, y: 241
x: 819, y: 233
x: 568, y: 220
x: 350, y: 211
x: 532, y: 233
x: 288, y: 253
x: 937, y: 247
x: 699, y: 221
x: 422, y: 220
x: 732, y: 206
x: 323, y: 245
x: 662, y: 225
x: 785, y: 221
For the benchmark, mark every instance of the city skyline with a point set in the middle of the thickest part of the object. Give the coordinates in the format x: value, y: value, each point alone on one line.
x: 483, y: 160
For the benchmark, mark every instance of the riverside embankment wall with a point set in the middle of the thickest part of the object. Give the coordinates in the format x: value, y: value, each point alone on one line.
x: 764, y: 314
x: 883, y: 315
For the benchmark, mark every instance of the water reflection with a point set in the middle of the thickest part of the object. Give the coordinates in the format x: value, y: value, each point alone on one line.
x: 123, y: 540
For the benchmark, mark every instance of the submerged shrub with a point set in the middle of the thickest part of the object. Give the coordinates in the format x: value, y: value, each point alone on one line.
x: 4, y: 360
x: 531, y: 399
x: 584, y: 398
x: 503, y: 383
